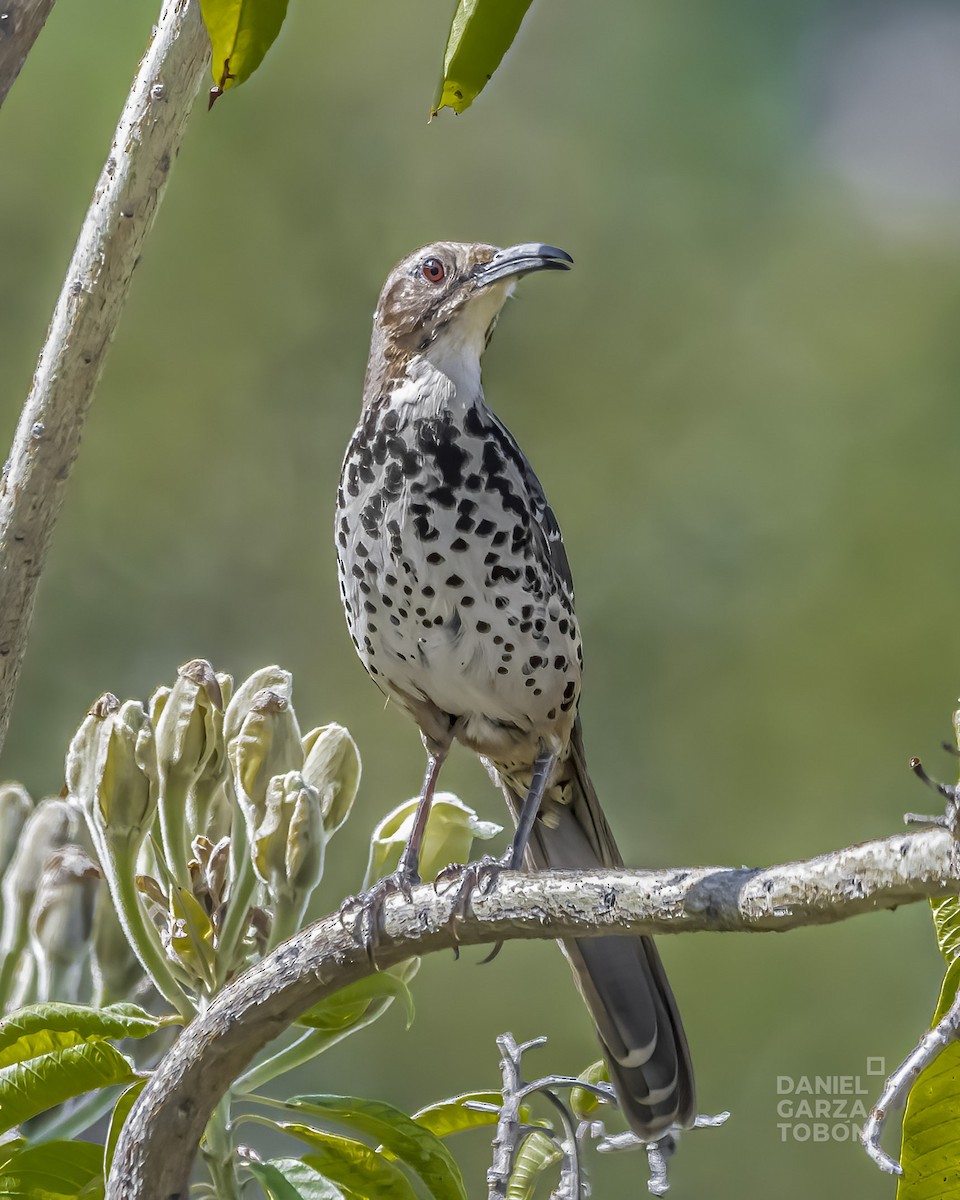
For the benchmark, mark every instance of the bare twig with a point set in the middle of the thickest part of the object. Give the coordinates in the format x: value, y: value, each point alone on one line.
x: 158, y: 1140
x: 120, y: 216
x: 898, y: 1085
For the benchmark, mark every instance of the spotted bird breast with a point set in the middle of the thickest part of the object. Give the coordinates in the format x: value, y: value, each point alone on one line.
x: 454, y: 578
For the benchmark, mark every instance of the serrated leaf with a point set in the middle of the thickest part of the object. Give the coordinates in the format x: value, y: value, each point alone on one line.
x: 42, y: 1028
x: 348, y: 1006
x: 402, y: 1136
x: 241, y: 32
x: 930, y: 1146
x: 480, y: 35
x: 453, y: 1116
x: 121, y: 1110
x: 33, y: 1086
x: 537, y: 1152
x: 351, y: 1164
x: 54, y: 1171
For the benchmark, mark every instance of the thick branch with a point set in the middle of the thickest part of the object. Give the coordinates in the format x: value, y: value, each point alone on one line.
x: 119, y: 218
x: 20, y: 25
x: 158, y: 1140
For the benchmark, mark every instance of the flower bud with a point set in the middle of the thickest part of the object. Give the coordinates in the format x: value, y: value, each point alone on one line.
x: 189, y: 728
x: 61, y: 921
x: 15, y: 807
x: 111, y: 770
x: 274, y: 679
x: 268, y: 744
x: 52, y: 824
x: 451, y: 829
x: 288, y: 844
x: 332, y: 766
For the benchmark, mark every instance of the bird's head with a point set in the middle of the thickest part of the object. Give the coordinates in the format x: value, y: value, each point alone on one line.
x: 442, y: 301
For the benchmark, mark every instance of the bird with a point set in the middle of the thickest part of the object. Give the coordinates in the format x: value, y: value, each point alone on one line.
x: 459, y: 600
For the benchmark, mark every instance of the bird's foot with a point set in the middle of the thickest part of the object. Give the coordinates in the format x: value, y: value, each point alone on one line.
x: 363, y: 914
x: 466, y: 879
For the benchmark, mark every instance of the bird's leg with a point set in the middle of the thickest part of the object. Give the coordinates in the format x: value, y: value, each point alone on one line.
x: 407, y: 871
x: 484, y: 874
x: 542, y: 770
x: 369, y: 920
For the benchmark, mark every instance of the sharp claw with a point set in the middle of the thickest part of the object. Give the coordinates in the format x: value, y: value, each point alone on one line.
x: 367, y: 925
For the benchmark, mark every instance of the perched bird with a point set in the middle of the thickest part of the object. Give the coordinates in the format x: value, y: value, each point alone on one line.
x: 459, y: 600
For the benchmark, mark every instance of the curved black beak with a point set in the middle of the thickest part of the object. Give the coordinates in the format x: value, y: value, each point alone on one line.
x: 521, y: 260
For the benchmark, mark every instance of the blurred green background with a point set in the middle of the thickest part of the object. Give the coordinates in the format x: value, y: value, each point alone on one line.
x: 742, y: 403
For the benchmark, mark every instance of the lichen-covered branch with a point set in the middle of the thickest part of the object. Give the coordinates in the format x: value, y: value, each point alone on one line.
x: 120, y: 216
x: 155, y: 1149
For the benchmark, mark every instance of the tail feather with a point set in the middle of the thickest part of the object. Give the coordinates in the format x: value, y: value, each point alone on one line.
x: 620, y: 978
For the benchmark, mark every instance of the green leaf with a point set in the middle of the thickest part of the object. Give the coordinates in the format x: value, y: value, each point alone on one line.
x: 54, y: 1171
x: 275, y: 1183
x: 583, y: 1102
x: 241, y: 32
x: 480, y: 35
x: 930, y: 1147
x: 34, y: 1085
x: 302, y: 1182
x: 453, y: 1116
x: 535, y: 1155
x: 402, y: 1136
x: 9, y: 1149
x: 946, y: 920
x: 121, y: 1110
x: 42, y: 1028
x: 351, y: 1164
x: 348, y: 1006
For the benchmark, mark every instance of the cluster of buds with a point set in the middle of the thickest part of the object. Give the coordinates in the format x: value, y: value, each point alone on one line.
x: 188, y: 841
x: 208, y: 814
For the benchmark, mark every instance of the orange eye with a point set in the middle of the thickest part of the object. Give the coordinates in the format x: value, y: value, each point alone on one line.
x: 433, y: 270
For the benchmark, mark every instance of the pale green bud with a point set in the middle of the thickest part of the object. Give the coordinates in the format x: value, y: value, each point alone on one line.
x: 52, y: 824
x: 268, y: 744
x: 189, y: 729
x: 451, y: 829
x: 332, y: 766
x: 288, y: 844
x: 15, y: 807
x: 273, y: 679
x: 111, y: 771
x: 61, y: 921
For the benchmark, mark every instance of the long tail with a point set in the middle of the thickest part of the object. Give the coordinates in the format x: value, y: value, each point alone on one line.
x: 621, y: 979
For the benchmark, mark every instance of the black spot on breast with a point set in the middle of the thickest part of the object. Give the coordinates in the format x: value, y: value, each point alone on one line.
x: 474, y: 423
x: 434, y: 557
x: 491, y: 459
x: 473, y: 483
x: 510, y: 574
x: 442, y: 496
x: 485, y: 528
x: 411, y: 463
x: 454, y: 581
x: 458, y: 544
